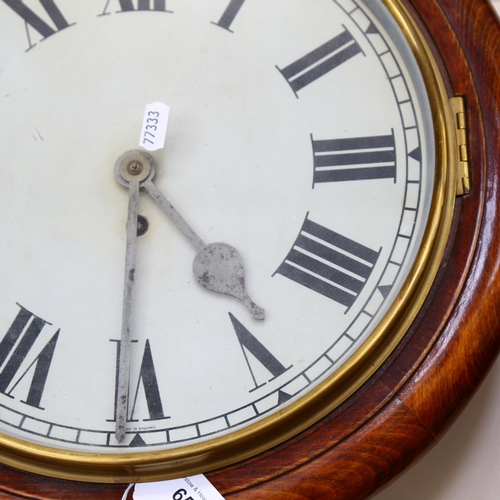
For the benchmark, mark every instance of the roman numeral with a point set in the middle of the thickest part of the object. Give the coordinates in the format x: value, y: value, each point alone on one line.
x: 329, y: 263
x: 14, y: 350
x: 321, y: 61
x: 148, y: 381
x: 229, y: 14
x: 35, y: 21
x: 250, y: 345
x: 129, y: 6
x: 354, y: 159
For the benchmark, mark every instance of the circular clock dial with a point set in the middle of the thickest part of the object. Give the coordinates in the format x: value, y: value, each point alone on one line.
x: 299, y: 133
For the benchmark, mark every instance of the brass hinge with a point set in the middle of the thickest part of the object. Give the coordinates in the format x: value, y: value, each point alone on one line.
x: 463, y: 179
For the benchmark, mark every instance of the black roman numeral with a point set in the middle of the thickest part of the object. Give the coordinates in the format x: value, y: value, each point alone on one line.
x: 320, y: 61
x: 130, y: 6
x: 148, y: 381
x: 14, y: 350
x: 35, y: 21
x: 150, y: 384
x: 329, y: 263
x: 354, y: 159
x: 249, y: 344
x: 229, y: 14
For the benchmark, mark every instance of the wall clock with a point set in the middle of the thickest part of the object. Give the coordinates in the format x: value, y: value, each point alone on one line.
x: 345, y: 148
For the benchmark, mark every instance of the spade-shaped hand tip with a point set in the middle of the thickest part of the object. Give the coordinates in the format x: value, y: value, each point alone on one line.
x: 219, y: 267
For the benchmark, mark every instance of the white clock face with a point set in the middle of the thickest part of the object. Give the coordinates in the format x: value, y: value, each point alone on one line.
x: 299, y: 133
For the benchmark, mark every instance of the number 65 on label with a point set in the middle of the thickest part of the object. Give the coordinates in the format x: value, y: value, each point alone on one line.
x: 181, y: 495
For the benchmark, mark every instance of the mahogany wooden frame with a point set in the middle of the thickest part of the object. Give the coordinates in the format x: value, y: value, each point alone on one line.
x: 415, y: 396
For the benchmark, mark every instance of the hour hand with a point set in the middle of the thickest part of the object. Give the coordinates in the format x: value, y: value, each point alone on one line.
x: 216, y: 266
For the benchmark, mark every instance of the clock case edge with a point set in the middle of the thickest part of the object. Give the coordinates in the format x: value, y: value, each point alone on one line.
x: 415, y: 396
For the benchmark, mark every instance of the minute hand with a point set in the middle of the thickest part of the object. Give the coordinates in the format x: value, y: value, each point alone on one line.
x: 216, y: 266
x: 124, y: 360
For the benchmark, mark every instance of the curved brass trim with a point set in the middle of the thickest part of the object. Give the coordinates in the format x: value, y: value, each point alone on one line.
x: 323, y: 399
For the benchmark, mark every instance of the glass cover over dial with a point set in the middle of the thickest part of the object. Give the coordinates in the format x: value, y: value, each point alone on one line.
x: 300, y: 133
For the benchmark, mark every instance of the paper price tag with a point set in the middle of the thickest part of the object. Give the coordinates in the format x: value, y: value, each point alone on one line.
x: 187, y: 488
x: 154, y: 126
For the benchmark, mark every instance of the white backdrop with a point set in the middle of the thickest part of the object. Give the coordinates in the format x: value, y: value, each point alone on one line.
x: 465, y: 465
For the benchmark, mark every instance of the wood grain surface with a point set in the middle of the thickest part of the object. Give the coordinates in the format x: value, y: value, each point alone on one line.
x: 415, y: 396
